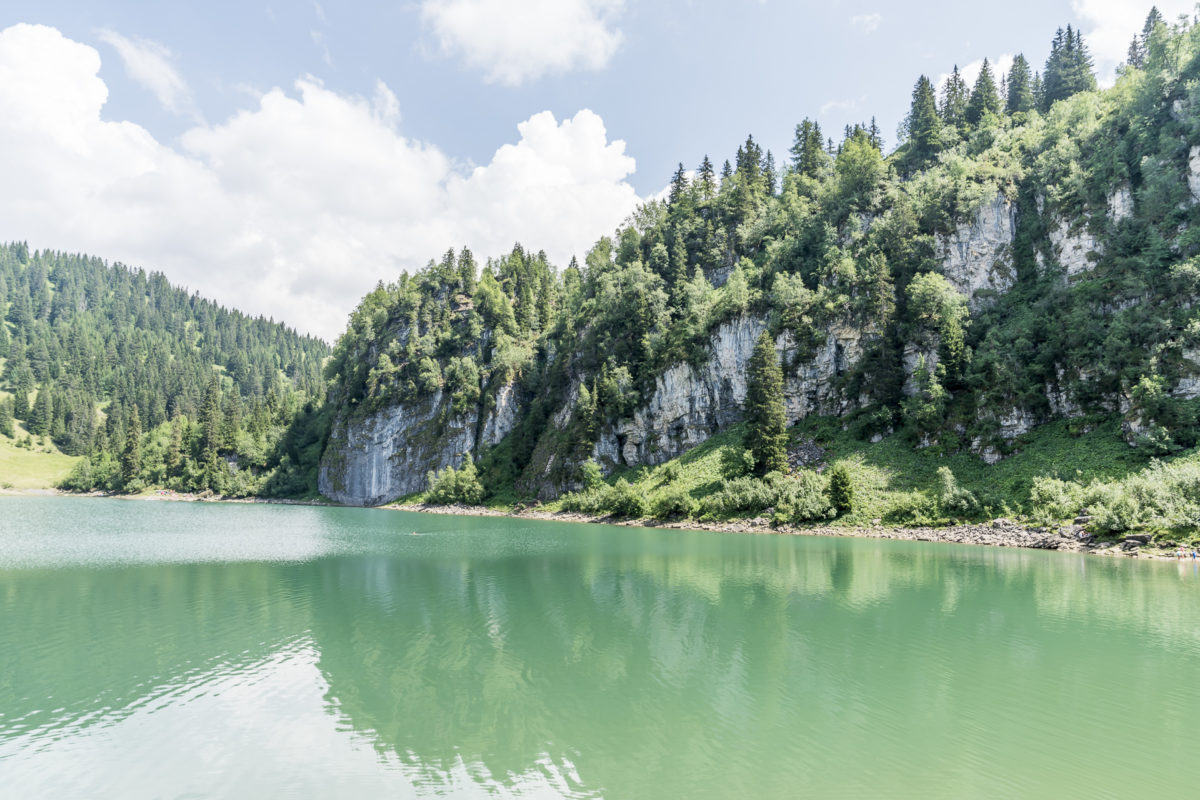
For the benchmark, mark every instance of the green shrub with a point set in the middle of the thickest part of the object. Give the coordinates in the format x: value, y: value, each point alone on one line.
x: 674, y: 502
x: 952, y: 498
x: 915, y: 508
x: 798, y: 499
x: 1051, y: 500
x: 451, y: 486
x: 621, y: 499
x: 841, y: 489
x: 670, y: 472
x: 736, y: 462
x: 591, y: 475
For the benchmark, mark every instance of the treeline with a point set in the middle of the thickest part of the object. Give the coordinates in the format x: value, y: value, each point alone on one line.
x: 109, y: 363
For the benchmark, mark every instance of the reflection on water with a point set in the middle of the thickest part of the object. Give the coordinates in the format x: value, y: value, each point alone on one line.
x: 326, y: 651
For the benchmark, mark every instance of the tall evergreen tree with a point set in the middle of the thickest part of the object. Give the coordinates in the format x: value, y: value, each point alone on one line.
x: 1020, y: 87
x: 808, y: 153
x: 955, y: 96
x: 923, y: 126
x: 131, y: 458
x: 984, y: 97
x: 6, y: 417
x: 766, y: 423
x: 706, y: 180
x: 1068, y: 68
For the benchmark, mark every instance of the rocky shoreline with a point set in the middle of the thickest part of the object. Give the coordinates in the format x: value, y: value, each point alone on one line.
x: 1072, y: 538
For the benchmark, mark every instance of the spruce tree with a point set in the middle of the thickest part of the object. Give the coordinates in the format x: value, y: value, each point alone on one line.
x: 1068, y: 69
x: 923, y: 126
x: 841, y: 489
x: 210, y: 419
x: 706, y: 180
x: 955, y: 97
x: 1020, y: 87
x: 766, y: 423
x: 984, y: 97
x: 131, y: 458
x: 6, y: 417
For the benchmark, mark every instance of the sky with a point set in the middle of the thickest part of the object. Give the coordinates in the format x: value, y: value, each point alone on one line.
x: 283, y: 157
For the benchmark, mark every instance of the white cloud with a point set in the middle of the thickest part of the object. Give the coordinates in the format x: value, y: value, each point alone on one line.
x: 840, y: 106
x: 867, y: 23
x: 322, y: 44
x: 514, y: 41
x: 293, y: 208
x: 1109, y: 26
x: 149, y: 64
x: 970, y: 72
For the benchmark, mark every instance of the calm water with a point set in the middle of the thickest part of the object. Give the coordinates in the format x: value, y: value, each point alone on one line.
x: 193, y: 650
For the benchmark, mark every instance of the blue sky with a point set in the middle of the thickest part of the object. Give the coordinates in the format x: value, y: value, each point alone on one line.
x: 284, y: 156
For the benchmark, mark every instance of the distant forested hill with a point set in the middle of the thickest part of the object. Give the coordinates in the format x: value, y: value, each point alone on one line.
x: 154, y: 385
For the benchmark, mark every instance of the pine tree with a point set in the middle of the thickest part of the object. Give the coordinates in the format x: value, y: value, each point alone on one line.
x: 6, y: 417
x: 131, y: 458
x: 984, y: 97
x: 841, y: 489
x: 210, y: 419
x: 1068, y: 69
x: 923, y: 126
x: 766, y: 423
x: 955, y: 97
x: 876, y: 136
x: 679, y: 186
x: 808, y: 153
x: 706, y: 180
x: 1020, y: 87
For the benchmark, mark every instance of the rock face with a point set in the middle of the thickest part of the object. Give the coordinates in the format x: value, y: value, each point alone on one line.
x: 978, y: 256
x: 1075, y: 248
x: 1120, y: 203
x: 378, y: 457
x: 689, y: 405
x: 1193, y: 177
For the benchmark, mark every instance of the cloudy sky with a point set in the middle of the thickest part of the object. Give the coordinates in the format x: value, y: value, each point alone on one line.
x: 283, y: 157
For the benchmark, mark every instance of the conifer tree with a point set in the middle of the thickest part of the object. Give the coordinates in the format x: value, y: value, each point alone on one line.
x: 1068, y: 69
x: 706, y: 180
x: 1020, y: 87
x: 808, y: 154
x: 923, y: 126
x: 984, y: 97
x: 210, y: 419
x: 766, y: 423
x: 131, y: 458
x: 6, y: 417
x: 679, y: 186
x: 955, y: 97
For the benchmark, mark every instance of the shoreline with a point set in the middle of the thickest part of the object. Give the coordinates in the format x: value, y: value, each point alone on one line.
x: 996, y: 533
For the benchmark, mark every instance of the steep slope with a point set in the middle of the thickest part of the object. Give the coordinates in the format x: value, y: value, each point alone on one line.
x: 1028, y: 267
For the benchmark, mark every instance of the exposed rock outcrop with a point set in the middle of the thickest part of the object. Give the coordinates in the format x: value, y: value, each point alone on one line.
x: 1193, y: 177
x: 978, y: 256
x: 1075, y: 248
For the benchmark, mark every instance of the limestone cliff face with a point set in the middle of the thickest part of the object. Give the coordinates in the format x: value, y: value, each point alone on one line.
x: 375, y: 458
x: 978, y: 256
x: 689, y: 405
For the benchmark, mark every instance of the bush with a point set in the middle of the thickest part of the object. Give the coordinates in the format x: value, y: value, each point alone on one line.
x: 736, y: 462
x: 670, y: 472
x: 1051, y: 500
x: 449, y: 486
x: 621, y: 499
x: 674, y: 502
x: 799, y: 499
x: 841, y: 489
x: 591, y: 475
x: 952, y: 498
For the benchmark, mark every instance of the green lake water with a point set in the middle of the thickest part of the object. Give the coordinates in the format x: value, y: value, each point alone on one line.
x: 200, y: 650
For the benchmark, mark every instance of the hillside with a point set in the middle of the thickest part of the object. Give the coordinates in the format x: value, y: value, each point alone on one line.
x: 147, y: 385
x: 1025, y: 255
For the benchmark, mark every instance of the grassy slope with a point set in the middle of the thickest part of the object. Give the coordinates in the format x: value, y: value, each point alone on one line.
x: 889, y: 476
x: 39, y: 468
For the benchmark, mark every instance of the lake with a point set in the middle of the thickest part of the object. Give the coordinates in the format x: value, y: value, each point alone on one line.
x: 152, y: 649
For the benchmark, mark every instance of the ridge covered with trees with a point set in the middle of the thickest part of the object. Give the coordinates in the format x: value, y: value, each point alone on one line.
x: 151, y: 385
x: 1089, y: 317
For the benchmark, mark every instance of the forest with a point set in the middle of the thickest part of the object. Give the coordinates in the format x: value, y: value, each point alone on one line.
x: 150, y: 385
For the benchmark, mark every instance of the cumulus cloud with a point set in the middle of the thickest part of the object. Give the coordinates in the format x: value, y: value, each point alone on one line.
x: 514, y: 41
x: 1109, y: 25
x: 867, y: 23
x: 292, y: 208
x: 149, y: 64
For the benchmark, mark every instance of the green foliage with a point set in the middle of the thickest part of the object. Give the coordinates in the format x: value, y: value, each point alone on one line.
x: 736, y: 462
x: 799, y: 498
x: 675, y: 502
x: 841, y: 489
x: 450, y: 486
x: 954, y: 500
x: 766, y: 425
x: 590, y: 475
x: 621, y: 499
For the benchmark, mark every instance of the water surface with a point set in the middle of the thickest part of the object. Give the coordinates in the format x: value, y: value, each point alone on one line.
x: 200, y: 650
